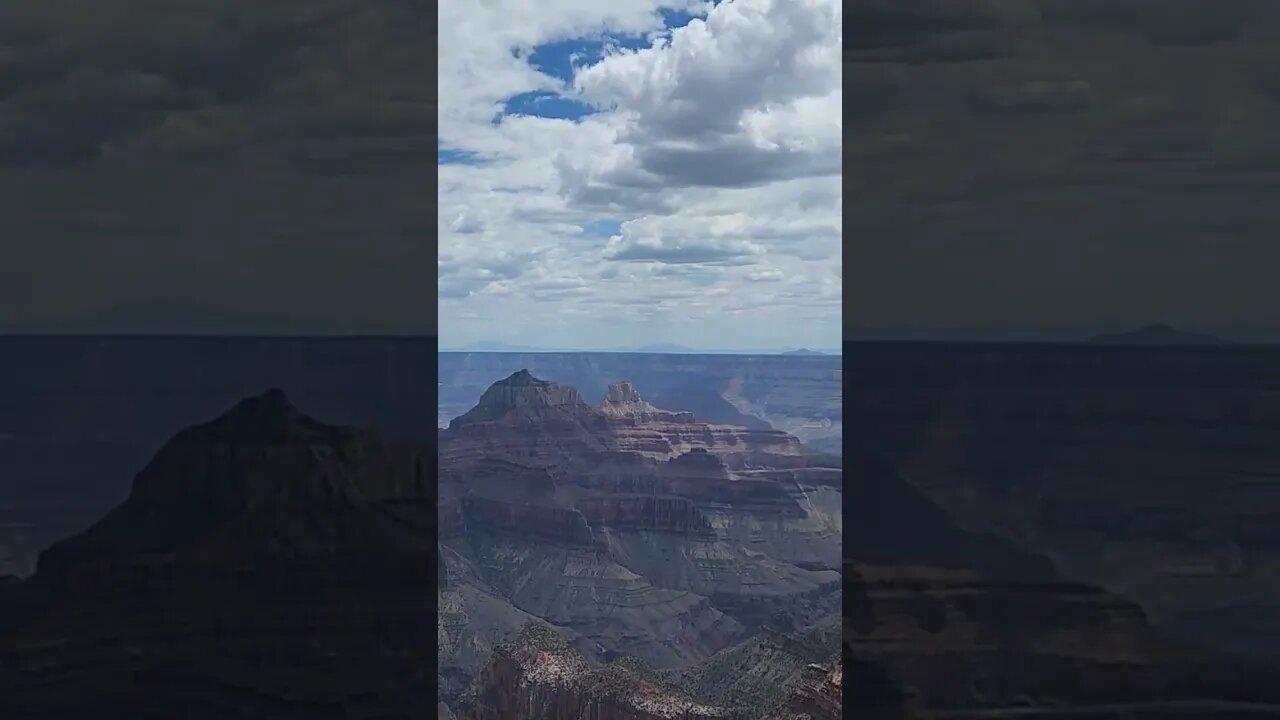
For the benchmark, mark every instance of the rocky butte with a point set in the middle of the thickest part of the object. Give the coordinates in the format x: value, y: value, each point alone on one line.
x: 264, y: 564
x: 633, y: 560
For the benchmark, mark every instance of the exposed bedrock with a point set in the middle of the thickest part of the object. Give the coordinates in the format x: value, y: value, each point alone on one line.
x: 1151, y: 471
x: 796, y: 394
x: 558, y: 524
x: 645, y: 512
x: 700, y: 533
x: 264, y: 564
x: 537, y: 676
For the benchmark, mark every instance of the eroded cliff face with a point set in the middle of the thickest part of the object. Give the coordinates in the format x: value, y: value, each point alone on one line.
x: 798, y: 395
x: 537, y: 675
x: 683, y: 544
x: 264, y: 564
x: 81, y: 415
x: 944, y: 620
x: 1150, y: 471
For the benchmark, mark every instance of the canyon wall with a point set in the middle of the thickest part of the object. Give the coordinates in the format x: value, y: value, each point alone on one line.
x: 1153, y: 472
x: 80, y: 415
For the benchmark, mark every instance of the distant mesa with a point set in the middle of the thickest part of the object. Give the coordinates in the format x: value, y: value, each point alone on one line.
x: 1160, y: 334
x: 803, y: 351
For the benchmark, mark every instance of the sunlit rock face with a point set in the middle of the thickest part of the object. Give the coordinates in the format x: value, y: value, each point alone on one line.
x: 537, y: 675
x: 640, y: 532
x: 800, y: 395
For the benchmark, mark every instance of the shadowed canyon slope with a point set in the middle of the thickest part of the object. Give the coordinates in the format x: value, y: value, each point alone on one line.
x: 1027, y: 525
x: 80, y: 415
x: 663, y: 566
x: 264, y: 564
x: 268, y: 564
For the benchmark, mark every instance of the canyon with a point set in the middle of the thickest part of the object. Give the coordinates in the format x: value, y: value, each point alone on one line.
x: 269, y: 564
x: 79, y: 415
x: 1026, y: 527
x: 798, y: 394
x: 657, y: 562
x: 1154, y: 472
x: 264, y: 564
x: 1028, y: 531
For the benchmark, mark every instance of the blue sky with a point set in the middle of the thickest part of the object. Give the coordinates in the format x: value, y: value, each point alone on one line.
x: 559, y: 59
x: 621, y: 192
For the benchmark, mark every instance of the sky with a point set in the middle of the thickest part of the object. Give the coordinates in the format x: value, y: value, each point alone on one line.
x: 204, y: 166
x: 640, y: 172
x: 1012, y: 169
x: 1052, y: 169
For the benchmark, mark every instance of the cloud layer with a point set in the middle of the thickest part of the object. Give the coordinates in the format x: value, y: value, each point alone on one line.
x: 247, y: 159
x: 1058, y: 168
x: 711, y: 154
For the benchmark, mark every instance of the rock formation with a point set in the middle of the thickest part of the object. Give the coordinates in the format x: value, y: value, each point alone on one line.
x: 263, y: 565
x: 941, y: 620
x: 799, y: 395
x: 537, y: 675
x: 1148, y: 471
x: 81, y: 415
x: 639, y: 533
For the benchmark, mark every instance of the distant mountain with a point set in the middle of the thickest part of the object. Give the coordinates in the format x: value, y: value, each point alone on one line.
x: 660, y: 348
x: 1158, y: 334
x: 490, y: 346
x: 803, y: 351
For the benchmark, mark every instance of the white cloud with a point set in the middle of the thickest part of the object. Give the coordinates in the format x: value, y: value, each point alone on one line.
x: 717, y: 149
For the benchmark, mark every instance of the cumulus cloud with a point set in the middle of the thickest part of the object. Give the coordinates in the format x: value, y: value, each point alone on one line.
x: 711, y: 152
x: 748, y: 96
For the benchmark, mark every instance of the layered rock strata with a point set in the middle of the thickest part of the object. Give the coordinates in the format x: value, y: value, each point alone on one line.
x: 683, y: 543
x: 1150, y: 471
x: 263, y: 565
x: 941, y: 621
